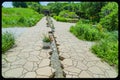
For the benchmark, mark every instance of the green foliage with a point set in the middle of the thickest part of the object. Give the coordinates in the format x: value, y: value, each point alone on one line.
x: 53, y: 14
x: 109, y: 16
x: 58, y: 18
x: 46, y: 38
x: 67, y: 14
x: 55, y: 7
x: 19, y: 4
x: 35, y: 6
x: 19, y: 17
x: 107, y: 48
x: 61, y: 6
x: 85, y: 31
x: 91, y: 10
x: 8, y: 41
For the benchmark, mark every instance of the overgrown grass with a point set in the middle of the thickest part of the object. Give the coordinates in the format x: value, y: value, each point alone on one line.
x: 20, y: 17
x: 8, y: 40
x: 107, y: 49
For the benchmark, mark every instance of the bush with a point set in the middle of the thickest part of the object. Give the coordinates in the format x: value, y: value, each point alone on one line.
x: 53, y: 14
x: 58, y: 18
x: 109, y: 16
x: 68, y: 14
x: 85, y: 31
x: 107, y: 48
x: 8, y: 41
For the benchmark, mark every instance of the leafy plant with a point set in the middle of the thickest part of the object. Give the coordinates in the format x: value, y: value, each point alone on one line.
x: 8, y: 41
x: 109, y: 16
x: 58, y: 18
x: 107, y: 48
x: 46, y: 38
x: 85, y: 31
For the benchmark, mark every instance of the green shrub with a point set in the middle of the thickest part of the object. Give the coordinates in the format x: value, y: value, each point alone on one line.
x: 58, y: 18
x: 46, y: 38
x: 107, y: 48
x: 85, y: 31
x: 68, y: 14
x: 22, y: 20
x: 109, y: 16
x: 53, y: 14
x: 8, y: 41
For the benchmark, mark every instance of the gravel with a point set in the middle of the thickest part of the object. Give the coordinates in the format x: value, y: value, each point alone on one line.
x: 16, y: 31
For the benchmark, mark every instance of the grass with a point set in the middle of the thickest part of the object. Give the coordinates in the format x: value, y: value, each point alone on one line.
x: 107, y: 49
x: 106, y: 46
x: 20, y: 17
x: 8, y: 41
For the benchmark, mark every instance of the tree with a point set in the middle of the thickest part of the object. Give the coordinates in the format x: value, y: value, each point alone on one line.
x: 55, y: 7
x: 19, y: 4
x: 109, y: 16
x: 92, y: 9
x: 35, y: 6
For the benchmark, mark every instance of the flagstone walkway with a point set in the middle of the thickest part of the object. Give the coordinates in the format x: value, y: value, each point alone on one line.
x: 29, y: 60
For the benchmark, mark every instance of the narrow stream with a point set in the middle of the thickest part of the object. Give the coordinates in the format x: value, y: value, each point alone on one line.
x: 55, y: 62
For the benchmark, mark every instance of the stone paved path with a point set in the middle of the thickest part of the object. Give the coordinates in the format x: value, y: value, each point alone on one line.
x: 79, y: 62
x: 29, y: 60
